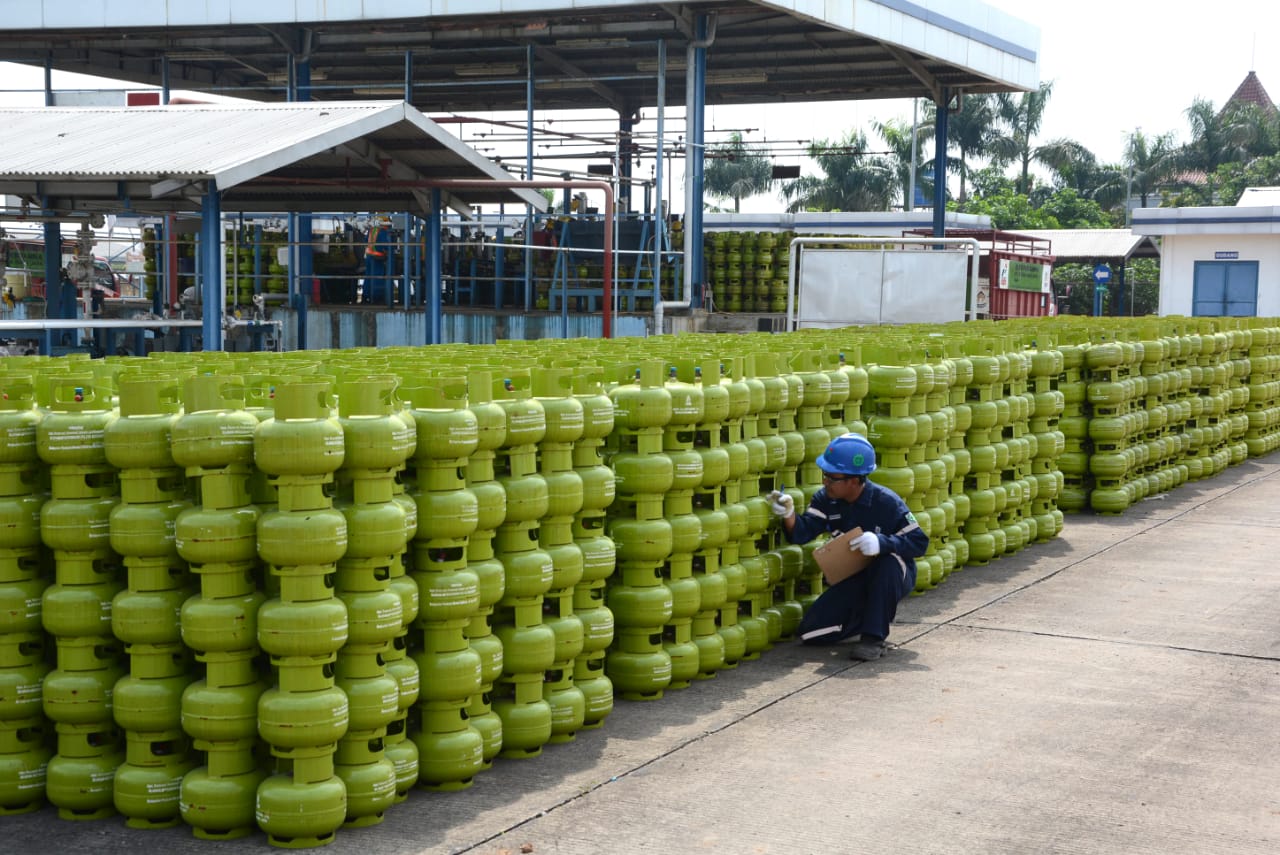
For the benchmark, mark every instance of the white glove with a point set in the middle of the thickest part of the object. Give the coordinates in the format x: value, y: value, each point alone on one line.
x: 868, y: 543
x: 782, y: 505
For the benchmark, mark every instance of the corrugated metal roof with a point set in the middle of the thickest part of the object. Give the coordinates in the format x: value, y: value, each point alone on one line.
x: 334, y: 156
x: 1083, y: 245
x: 472, y: 56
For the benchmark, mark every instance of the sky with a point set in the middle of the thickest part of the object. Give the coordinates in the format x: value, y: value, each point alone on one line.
x: 1116, y: 66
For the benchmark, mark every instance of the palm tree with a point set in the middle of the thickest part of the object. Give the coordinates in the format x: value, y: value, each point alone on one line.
x: 736, y: 170
x: 1150, y: 163
x: 971, y: 133
x: 896, y: 134
x: 852, y: 179
x: 1075, y: 167
x: 1023, y: 114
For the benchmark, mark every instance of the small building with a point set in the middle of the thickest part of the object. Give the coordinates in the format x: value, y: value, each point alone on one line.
x: 1218, y: 261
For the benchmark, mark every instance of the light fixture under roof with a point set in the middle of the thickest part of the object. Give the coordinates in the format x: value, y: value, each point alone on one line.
x: 730, y: 77
x: 650, y: 66
x: 488, y: 69
x: 204, y: 55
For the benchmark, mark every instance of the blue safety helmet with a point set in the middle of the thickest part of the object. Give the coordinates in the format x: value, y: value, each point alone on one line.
x: 849, y: 454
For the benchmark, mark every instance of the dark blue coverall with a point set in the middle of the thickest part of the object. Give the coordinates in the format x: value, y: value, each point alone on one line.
x: 866, y: 602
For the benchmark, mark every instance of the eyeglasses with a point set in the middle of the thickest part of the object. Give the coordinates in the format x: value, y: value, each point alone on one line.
x: 834, y: 479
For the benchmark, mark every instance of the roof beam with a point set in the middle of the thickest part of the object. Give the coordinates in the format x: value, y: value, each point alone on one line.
x: 610, y: 96
x: 916, y: 67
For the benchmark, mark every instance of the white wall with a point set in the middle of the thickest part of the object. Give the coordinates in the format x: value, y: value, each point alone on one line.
x: 1179, y: 253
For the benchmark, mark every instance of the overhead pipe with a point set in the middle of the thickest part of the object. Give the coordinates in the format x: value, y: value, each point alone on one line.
x: 694, y: 99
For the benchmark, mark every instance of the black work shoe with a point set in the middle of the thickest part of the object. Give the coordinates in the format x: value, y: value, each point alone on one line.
x: 867, y: 650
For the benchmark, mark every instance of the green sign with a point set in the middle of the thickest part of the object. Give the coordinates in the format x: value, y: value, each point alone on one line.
x: 1025, y: 276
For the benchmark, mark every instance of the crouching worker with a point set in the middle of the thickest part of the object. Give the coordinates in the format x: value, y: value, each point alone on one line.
x: 865, y: 603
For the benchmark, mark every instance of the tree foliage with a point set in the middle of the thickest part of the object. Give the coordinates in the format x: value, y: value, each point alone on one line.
x: 1021, y: 116
x: 852, y: 179
x: 736, y: 170
x: 897, y: 136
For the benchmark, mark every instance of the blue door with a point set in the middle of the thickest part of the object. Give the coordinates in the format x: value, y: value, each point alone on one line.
x: 1225, y: 289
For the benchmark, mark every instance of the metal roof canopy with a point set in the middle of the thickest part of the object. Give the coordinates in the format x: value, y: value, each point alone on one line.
x: 587, y: 53
x: 1079, y: 246
x: 263, y: 158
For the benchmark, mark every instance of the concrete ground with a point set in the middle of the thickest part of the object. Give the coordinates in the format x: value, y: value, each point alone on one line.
x: 1116, y: 690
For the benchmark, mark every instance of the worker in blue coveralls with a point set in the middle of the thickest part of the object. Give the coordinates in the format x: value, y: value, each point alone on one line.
x: 865, y: 603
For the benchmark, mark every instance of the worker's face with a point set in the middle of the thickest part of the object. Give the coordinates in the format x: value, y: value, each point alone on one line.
x: 847, y: 488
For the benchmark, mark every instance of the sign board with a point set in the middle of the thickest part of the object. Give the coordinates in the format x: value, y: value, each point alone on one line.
x: 1102, y: 273
x: 1226, y: 255
x: 839, y: 288
x: 1015, y: 275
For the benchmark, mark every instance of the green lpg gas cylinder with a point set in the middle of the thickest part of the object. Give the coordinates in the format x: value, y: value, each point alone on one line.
x: 369, y: 777
x: 80, y: 776
x: 227, y: 620
x: 141, y: 438
x: 20, y: 521
x: 564, y: 413
x: 313, y: 714
x: 24, y: 759
x: 214, y: 430
x: 147, y: 785
x: 374, y: 530
x: 146, y: 530
x: 374, y: 427
x: 18, y: 418
x: 373, y: 696
x: 641, y: 541
x: 526, y: 417
x: 300, y: 812
x: 22, y: 677
x: 449, y: 669
x: 302, y: 437
x: 150, y: 698
x: 77, y: 525
x: 72, y: 432
x: 640, y: 474
x: 446, y: 428
x: 223, y: 707
x: 639, y: 399
x: 314, y: 624
x: 450, y: 750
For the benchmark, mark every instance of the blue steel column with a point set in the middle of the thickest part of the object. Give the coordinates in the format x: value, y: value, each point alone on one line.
x: 940, y: 166
x: 528, y: 174
x: 434, y: 270
x: 211, y: 264
x: 697, y: 139
x: 659, y: 224
x: 54, y: 305
x: 300, y: 224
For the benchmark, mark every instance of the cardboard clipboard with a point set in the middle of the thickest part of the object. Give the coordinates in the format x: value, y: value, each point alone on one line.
x: 837, y: 561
